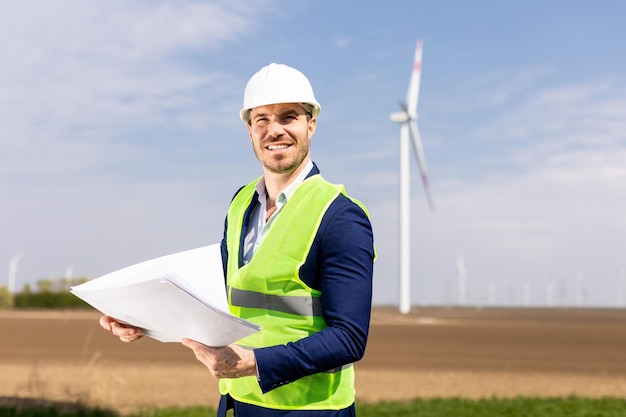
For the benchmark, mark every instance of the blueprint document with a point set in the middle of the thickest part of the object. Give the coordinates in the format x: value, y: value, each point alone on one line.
x: 171, y: 297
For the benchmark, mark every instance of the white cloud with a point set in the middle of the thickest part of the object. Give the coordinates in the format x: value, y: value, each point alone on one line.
x: 342, y: 41
x: 501, y: 87
x: 78, y: 81
x: 80, y: 71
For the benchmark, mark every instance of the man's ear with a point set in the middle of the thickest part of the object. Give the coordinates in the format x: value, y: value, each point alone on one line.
x: 312, y: 126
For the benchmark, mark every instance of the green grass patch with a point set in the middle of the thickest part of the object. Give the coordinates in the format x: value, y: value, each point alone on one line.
x: 27, y: 407
x: 440, y: 407
x: 499, y: 407
x: 197, y: 411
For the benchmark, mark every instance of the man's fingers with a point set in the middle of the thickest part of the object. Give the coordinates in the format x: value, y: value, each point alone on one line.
x: 191, y: 344
x: 125, y: 333
x: 198, y: 348
x: 105, y: 322
x: 203, y: 353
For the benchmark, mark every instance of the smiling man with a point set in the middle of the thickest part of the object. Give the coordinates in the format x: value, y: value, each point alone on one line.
x: 298, y: 258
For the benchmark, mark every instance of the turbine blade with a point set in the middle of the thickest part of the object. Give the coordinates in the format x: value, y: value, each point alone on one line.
x: 414, y: 84
x: 421, y: 161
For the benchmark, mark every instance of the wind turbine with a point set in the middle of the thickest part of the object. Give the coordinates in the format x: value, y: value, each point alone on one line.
x: 460, y: 267
x: 13, y: 272
x: 409, y: 132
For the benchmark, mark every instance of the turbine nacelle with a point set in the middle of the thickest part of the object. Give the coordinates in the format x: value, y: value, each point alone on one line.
x: 400, y: 117
x: 403, y: 116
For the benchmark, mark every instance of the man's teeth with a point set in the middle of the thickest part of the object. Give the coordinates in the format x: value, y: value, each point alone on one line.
x: 273, y: 147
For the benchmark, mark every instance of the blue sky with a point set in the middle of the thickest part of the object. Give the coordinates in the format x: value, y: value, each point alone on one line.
x: 120, y: 140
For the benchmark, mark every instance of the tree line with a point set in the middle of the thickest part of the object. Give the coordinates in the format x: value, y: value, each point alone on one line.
x: 46, y: 293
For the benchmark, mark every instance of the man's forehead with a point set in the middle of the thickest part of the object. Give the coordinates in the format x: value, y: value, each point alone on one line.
x: 278, y: 108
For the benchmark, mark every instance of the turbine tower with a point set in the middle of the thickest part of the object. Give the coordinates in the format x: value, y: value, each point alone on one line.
x: 13, y: 272
x: 460, y: 266
x: 409, y: 133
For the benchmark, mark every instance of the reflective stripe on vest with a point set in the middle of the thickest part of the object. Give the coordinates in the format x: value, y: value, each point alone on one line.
x: 269, y: 292
x: 301, y: 306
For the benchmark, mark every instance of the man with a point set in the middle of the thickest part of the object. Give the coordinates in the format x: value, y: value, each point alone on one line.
x: 298, y: 258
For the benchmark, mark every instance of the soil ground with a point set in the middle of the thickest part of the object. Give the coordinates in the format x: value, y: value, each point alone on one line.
x: 431, y: 352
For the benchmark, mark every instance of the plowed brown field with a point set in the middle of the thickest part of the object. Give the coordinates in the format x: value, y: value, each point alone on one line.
x: 432, y: 352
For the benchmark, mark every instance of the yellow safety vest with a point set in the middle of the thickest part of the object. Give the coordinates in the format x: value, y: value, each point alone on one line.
x: 269, y: 292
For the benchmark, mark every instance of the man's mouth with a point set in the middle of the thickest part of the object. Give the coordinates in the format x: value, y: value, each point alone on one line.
x: 275, y: 147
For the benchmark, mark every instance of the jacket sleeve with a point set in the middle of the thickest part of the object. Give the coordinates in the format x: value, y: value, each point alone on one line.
x: 340, y: 264
x: 223, y: 245
x: 224, y: 249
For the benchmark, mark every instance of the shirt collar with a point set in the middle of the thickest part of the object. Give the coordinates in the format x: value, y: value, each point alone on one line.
x: 289, y: 190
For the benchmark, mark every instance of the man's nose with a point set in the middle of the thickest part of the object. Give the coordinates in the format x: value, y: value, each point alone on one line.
x: 275, y: 129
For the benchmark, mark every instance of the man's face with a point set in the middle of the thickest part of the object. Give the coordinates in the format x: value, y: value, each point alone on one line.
x: 281, y: 136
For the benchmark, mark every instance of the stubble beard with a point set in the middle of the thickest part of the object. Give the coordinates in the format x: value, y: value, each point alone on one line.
x: 282, y: 164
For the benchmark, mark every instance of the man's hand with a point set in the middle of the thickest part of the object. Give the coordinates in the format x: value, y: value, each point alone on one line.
x: 231, y: 361
x: 125, y: 332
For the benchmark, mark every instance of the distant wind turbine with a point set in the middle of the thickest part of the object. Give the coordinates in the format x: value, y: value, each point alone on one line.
x: 462, y: 272
x: 580, y: 289
x: 621, y: 287
x: 409, y: 132
x: 13, y: 272
x: 491, y: 294
x: 550, y: 293
x: 69, y: 272
x: 526, y: 293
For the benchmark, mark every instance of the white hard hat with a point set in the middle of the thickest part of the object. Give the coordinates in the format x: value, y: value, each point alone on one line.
x: 278, y: 83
